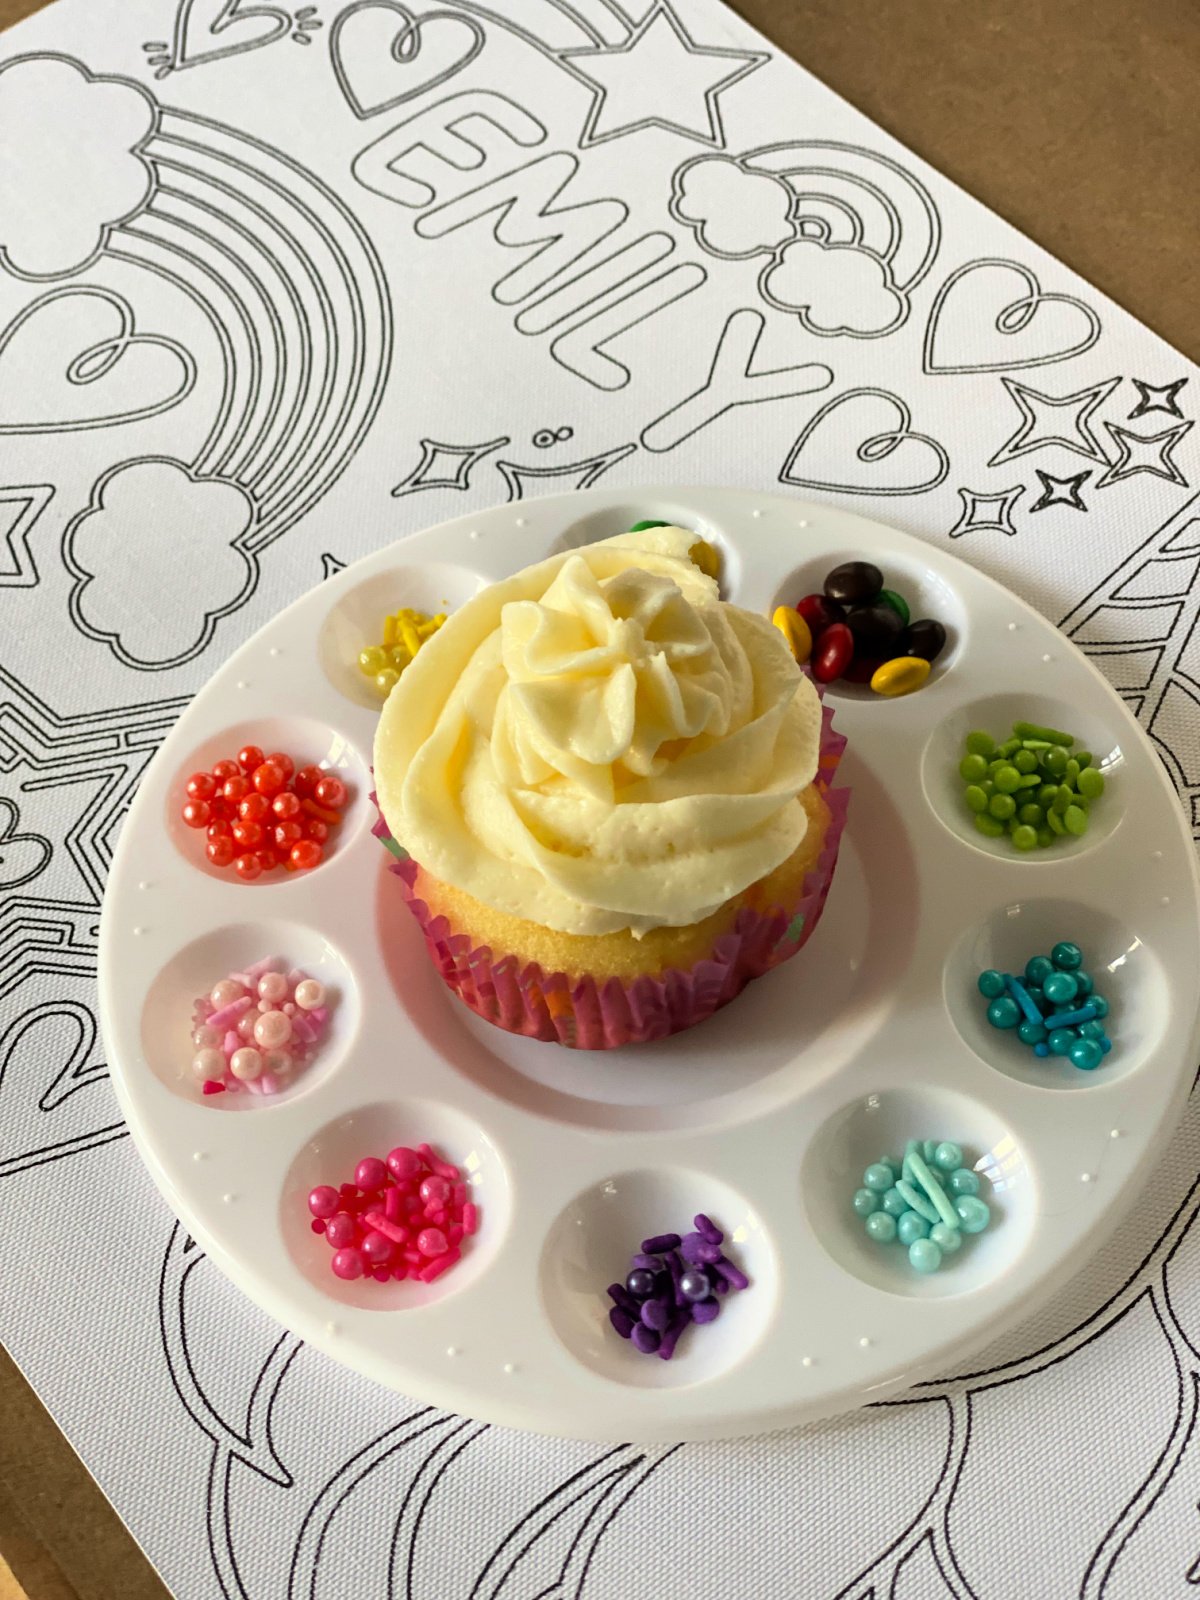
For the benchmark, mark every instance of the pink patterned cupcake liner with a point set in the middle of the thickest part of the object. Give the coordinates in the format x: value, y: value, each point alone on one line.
x: 584, y: 1014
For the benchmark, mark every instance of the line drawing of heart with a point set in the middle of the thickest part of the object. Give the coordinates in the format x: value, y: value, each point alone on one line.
x: 73, y: 1074
x: 875, y: 444
x: 243, y: 22
x: 91, y: 365
x: 412, y: 36
x: 1016, y: 307
x: 22, y: 855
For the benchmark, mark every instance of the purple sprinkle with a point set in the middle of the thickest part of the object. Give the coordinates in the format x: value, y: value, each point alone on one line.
x: 671, y: 1337
x: 676, y: 1271
x: 708, y: 1228
x: 645, y: 1339
x: 621, y: 1321
x: 706, y: 1311
x: 659, y: 1243
x: 698, y: 1251
x: 734, y: 1276
x: 656, y: 1315
x: 649, y: 1263
x: 719, y: 1285
x: 621, y: 1295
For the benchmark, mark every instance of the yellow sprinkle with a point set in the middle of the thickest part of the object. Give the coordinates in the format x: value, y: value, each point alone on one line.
x: 796, y: 633
x: 900, y: 676
x: 389, y: 632
x: 409, y: 635
x: 707, y: 557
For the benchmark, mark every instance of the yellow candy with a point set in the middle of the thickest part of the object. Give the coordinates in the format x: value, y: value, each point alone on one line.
x: 400, y: 657
x: 900, y: 676
x: 707, y: 557
x: 795, y: 631
x: 372, y: 660
x: 389, y: 632
x: 408, y: 635
x: 404, y: 632
x: 386, y: 681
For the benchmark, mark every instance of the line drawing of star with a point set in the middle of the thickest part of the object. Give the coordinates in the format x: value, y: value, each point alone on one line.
x: 980, y: 511
x: 658, y: 65
x: 1039, y: 427
x: 1164, y: 398
x: 445, y: 466
x: 1060, y: 491
x: 1134, y: 456
x: 30, y: 500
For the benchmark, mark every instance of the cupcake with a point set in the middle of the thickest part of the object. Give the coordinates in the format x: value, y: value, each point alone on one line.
x: 610, y: 795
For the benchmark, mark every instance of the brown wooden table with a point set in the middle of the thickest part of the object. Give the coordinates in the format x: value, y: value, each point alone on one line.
x: 1078, y: 121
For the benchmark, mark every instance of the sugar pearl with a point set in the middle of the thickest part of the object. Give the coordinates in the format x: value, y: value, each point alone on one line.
x: 209, y: 1065
x: 226, y: 992
x: 432, y: 1242
x: 272, y: 1030
x: 206, y: 1038
x: 245, y: 1025
x: 309, y: 994
x: 278, y: 1062
x: 272, y: 986
x: 245, y: 1064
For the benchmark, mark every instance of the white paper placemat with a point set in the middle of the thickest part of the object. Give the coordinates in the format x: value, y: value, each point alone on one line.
x: 279, y: 284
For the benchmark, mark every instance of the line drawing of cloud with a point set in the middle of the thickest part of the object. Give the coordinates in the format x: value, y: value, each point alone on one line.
x: 73, y: 166
x: 733, y: 213
x: 834, y: 288
x: 183, y: 536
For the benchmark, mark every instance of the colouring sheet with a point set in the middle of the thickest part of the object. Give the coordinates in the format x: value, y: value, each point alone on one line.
x: 282, y: 283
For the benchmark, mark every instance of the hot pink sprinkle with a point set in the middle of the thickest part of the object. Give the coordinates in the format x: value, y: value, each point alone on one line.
x: 213, y: 1088
x: 377, y: 1220
x: 228, y: 1015
x: 459, y: 1195
x: 454, y: 1234
x: 393, y: 1208
x: 317, y: 1225
x: 438, y: 1266
x: 470, y: 1218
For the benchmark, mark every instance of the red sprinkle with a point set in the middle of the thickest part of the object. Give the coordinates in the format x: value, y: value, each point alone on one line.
x: 211, y: 1087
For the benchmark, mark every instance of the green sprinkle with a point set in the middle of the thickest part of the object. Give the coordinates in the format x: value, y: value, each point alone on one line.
x: 1025, y: 837
x: 979, y: 743
x: 1091, y: 783
x: 972, y: 768
x: 1031, y: 780
x: 1056, y: 822
x: 1055, y: 761
x: 1002, y: 806
x: 1045, y: 838
x: 1076, y: 821
x: 1032, y: 730
x: 1046, y: 794
x: 988, y: 787
x: 988, y: 825
x: 640, y: 527
x: 898, y: 604
x: 976, y: 799
x: 1009, y: 747
x: 1072, y: 771
x: 1084, y: 758
x: 1032, y: 814
x: 1025, y: 761
x: 1008, y: 779
x: 1035, y: 744
x: 1062, y: 799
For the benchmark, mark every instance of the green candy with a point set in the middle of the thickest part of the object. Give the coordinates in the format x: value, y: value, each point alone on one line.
x: 898, y: 604
x: 1076, y: 821
x: 1072, y: 771
x: 640, y: 527
x: 1084, y: 758
x: 1045, y: 838
x: 1032, y: 815
x: 1030, y: 780
x: 1090, y: 783
x: 1046, y: 794
x: 979, y: 743
x: 1055, y: 761
x: 1032, y: 730
x: 1002, y: 806
x: 972, y: 768
x: 1008, y: 779
x: 988, y: 825
x: 1009, y: 747
x: 1025, y: 761
x: 1056, y: 822
x: 1025, y: 837
x: 1063, y: 798
x: 976, y: 799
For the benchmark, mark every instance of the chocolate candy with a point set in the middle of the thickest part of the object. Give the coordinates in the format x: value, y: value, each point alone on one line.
x: 833, y: 653
x: 925, y: 638
x: 853, y: 583
x: 819, y: 612
x: 876, y: 628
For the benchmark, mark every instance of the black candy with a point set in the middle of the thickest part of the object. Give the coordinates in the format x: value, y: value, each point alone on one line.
x: 876, y: 629
x: 925, y: 638
x: 853, y: 583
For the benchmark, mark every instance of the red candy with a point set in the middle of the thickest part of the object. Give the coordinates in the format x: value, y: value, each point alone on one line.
x: 260, y: 813
x: 833, y: 652
x: 361, y: 1223
x: 819, y: 612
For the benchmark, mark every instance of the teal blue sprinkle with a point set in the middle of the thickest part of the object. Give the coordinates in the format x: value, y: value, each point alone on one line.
x: 917, y: 1200
x: 910, y: 1227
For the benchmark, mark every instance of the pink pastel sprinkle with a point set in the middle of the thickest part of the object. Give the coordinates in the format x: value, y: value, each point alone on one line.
x: 319, y: 1015
x: 241, y: 977
x: 470, y: 1218
x: 229, y: 1014
x: 269, y: 1083
x: 231, y: 1042
x: 439, y: 1265
x: 289, y: 1008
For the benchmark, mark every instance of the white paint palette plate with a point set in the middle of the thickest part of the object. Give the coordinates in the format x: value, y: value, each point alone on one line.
x: 764, y: 1116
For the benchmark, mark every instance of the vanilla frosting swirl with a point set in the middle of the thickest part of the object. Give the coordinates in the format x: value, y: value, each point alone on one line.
x: 600, y: 743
